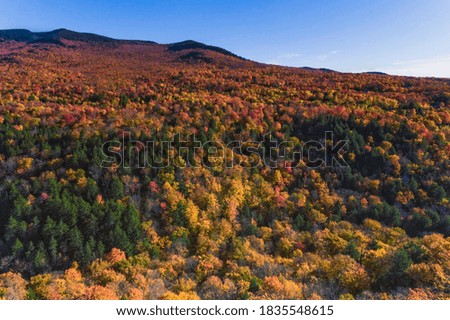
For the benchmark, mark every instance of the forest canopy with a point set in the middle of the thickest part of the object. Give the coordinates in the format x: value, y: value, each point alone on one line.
x: 72, y: 228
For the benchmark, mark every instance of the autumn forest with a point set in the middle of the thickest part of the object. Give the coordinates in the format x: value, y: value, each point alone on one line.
x: 72, y: 227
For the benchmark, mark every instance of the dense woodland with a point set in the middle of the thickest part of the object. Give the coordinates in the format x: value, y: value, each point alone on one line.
x: 70, y: 229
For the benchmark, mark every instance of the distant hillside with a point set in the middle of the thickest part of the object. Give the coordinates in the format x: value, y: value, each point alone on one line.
x: 190, y: 44
x: 186, y: 51
x: 55, y: 36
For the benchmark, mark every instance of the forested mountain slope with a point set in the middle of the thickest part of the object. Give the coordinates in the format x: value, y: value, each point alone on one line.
x: 198, y: 227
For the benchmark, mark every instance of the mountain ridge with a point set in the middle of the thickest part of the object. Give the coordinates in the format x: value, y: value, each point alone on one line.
x: 56, y: 36
x: 188, y: 51
x: 24, y: 35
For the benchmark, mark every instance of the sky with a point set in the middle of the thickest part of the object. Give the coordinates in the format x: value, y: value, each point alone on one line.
x: 405, y: 37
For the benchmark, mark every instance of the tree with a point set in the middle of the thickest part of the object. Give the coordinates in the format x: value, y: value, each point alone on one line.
x: 12, y: 286
x: 396, y: 275
x: 115, y: 189
x: 353, y: 251
x: 40, y: 259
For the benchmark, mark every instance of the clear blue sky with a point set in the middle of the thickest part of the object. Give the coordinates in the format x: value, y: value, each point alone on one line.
x: 397, y: 36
